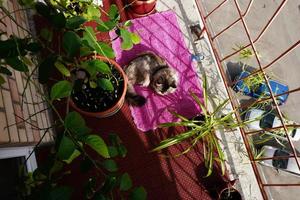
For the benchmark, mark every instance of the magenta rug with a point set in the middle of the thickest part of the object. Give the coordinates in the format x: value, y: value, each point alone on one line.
x: 161, y: 34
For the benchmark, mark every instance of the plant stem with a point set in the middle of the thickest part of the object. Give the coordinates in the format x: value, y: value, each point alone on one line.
x: 36, y: 146
x: 18, y: 10
x: 13, y: 19
x: 25, y: 120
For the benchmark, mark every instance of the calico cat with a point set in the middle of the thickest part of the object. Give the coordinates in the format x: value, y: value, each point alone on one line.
x: 148, y: 69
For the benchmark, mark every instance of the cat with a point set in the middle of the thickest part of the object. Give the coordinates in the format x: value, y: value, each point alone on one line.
x: 149, y: 70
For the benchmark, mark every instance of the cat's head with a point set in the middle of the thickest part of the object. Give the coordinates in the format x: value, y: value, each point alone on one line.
x: 165, y: 80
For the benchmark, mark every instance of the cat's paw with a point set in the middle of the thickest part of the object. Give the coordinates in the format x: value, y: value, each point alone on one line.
x: 137, y: 100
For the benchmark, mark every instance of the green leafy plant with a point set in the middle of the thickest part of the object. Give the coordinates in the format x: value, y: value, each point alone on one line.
x: 72, y: 146
x: 244, y: 53
x: 254, y: 81
x: 76, y: 49
x: 203, y: 129
x: 77, y: 42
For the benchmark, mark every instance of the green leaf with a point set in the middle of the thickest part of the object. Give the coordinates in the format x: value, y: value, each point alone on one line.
x: 46, y: 34
x: 26, y: 61
x: 75, y: 22
x: 110, y: 165
x: 16, y: 64
x: 26, y: 2
x: 99, y: 47
x: 105, y: 84
x: 66, y: 148
x: 113, y: 151
x: 62, y: 69
x: 94, y: 66
x: 85, y: 50
x: 114, y: 139
x: 138, y: 193
x: 109, y: 184
x: 90, y: 68
x: 12, y: 47
x: 93, y: 84
x: 74, y: 155
x: 33, y: 47
x: 98, y: 144
x: 58, y: 20
x: 174, y: 140
x: 57, y: 166
x: 113, y: 13
x: 76, y: 124
x: 125, y: 183
x: 86, y: 165
x: 128, y: 23
x: 122, y: 150
x: 205, y: 87
x: 201, y: 105
x: 39, y: 175
x: 135, y: 38
x: 107, y: 51
x: 106, y: 26
x: 92, y: 12
x: 2, y: 80
x: 90, y: 37
x: 45, y: 67
x: 42, y: 9
x: 4, y: 70
x: 178, y: 115
x: 61, y: 193
x: 126, y: 39
x: 99, y: 196
x: 117, y: 142
x: 71, y: 43
x: 74, y: 119
x: 60, y: 90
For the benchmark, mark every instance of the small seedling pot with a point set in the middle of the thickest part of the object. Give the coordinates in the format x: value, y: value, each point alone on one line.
x: 230, y: 193
x: 134, y: 15
x: 142, y: 7
x: 117, y: 105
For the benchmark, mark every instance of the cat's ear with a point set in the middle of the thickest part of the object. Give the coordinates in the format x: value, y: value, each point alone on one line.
x: 173, y: 85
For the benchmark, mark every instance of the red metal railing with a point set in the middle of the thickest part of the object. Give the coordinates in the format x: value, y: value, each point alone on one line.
x: 234, y: 103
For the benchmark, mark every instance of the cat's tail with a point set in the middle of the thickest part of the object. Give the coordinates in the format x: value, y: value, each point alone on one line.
x: 133, y: 98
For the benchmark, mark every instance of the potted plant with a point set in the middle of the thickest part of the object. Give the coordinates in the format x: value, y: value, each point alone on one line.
x: 202, y: 129
x: 76, y: 49
x: 99, y: 94
x: 230, y: 193
x: 95, y: 83
x: 140, y: 8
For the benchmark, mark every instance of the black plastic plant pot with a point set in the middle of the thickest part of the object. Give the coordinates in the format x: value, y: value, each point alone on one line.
x: 230, y: 194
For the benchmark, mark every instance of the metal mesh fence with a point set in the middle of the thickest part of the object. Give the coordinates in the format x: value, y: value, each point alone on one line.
x: 256, y: 46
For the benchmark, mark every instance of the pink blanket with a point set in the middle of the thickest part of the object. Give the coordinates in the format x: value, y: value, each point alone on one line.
x: 161, y: 34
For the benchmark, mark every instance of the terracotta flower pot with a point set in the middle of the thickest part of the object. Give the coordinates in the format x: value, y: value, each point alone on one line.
x: 142, y: 6
x: 117, y: 106
x: 133, y: 14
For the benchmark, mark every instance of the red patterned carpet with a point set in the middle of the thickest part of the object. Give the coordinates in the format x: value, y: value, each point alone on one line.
x: 163, y: 178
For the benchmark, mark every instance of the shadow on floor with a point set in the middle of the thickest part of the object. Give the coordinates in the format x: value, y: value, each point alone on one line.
x: 235, y: 68
x: 163, y: 178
